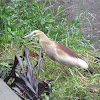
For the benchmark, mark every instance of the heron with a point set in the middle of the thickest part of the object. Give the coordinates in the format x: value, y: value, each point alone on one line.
x: 58, y: 52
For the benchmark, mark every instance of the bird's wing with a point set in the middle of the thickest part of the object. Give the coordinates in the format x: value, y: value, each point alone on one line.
x: 65, y: 50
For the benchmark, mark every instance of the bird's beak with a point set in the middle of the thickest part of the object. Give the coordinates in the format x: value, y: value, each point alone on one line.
x: 28, y: 36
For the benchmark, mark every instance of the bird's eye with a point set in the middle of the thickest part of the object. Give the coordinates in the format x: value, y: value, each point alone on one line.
x: 34, y: 33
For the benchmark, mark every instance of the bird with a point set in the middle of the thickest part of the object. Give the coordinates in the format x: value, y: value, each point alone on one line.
x: 58, y: 52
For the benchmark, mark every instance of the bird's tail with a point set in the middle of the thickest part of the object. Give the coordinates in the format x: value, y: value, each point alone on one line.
x: 82, y: 63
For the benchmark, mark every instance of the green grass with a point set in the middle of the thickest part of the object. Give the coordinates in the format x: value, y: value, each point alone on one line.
x: 20, y: 17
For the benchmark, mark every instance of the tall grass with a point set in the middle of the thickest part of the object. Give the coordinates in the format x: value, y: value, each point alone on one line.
x: 20, y: 17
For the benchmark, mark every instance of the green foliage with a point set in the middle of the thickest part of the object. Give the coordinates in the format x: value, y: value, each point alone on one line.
x: 4, y: 69
x: 3, y: 64
x: 20, y: 17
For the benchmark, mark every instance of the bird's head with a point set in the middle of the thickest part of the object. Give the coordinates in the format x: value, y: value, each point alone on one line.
x: 36, y: 33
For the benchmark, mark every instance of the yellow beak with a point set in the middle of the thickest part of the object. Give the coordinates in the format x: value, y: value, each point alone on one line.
x: 28, y: 36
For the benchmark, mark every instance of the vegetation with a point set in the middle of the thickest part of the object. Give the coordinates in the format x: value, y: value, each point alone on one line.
x: 19, y: 18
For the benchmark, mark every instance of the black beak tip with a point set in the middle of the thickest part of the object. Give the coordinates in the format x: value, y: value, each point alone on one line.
x: 23, y: 38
